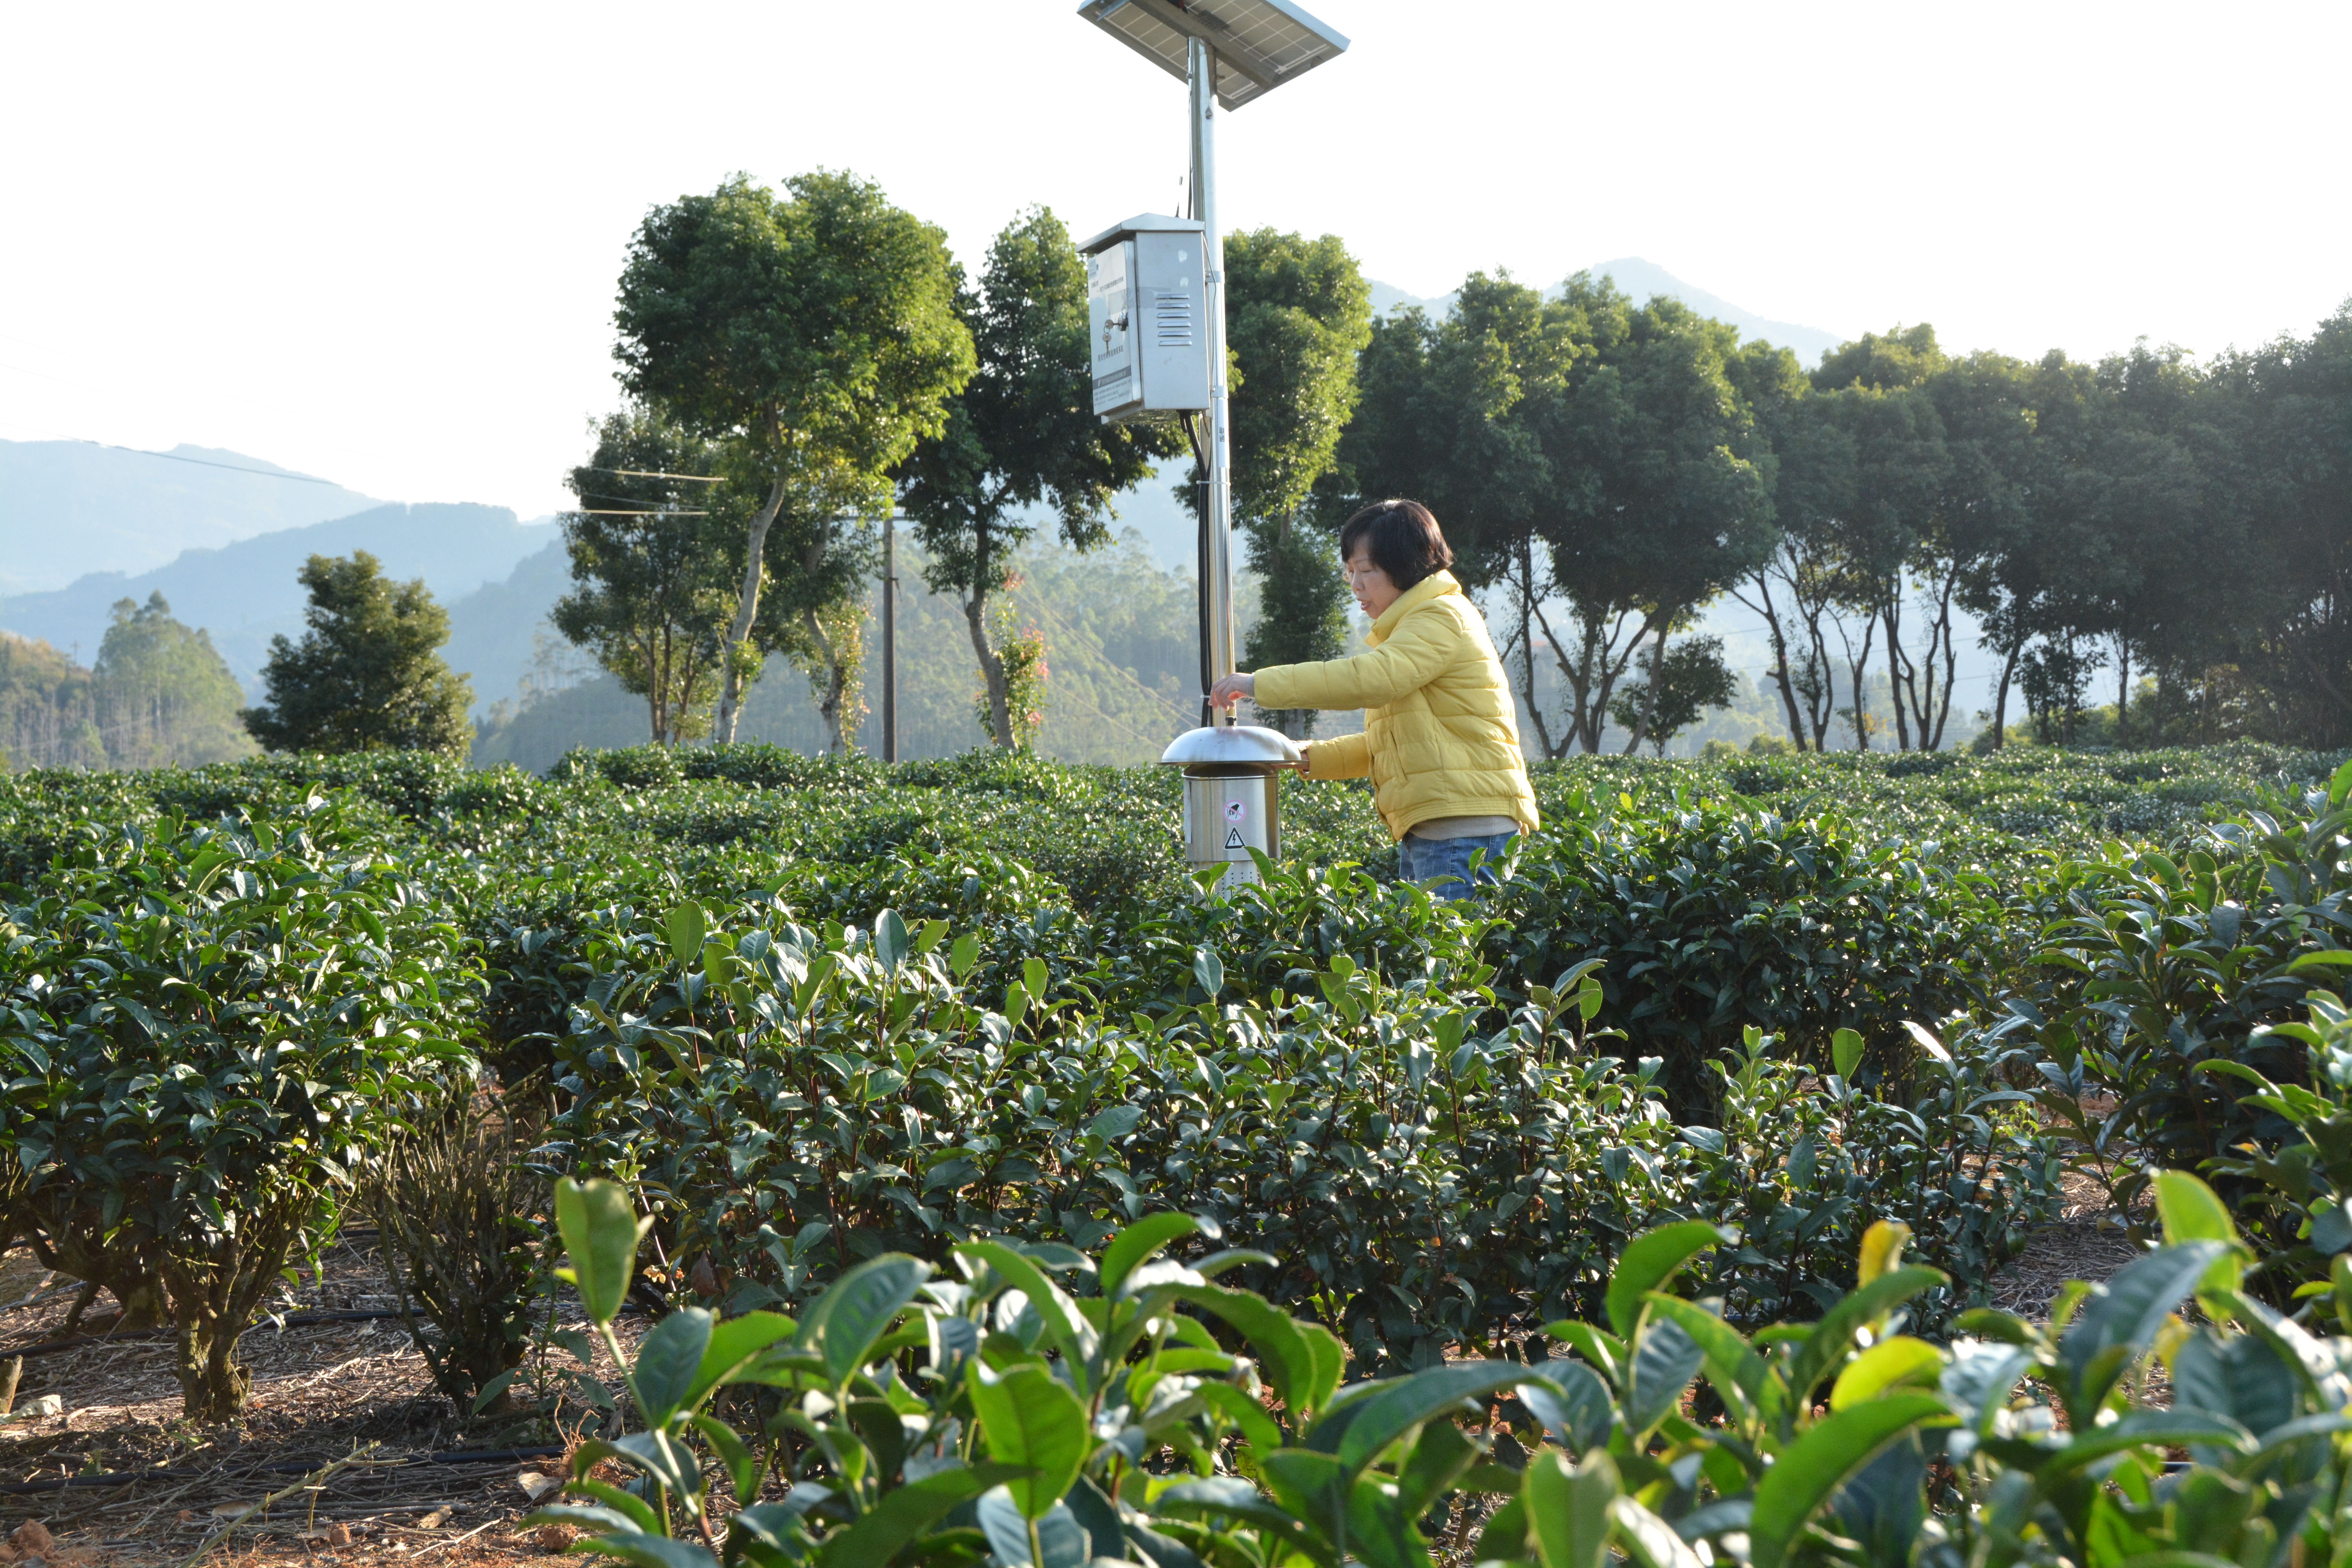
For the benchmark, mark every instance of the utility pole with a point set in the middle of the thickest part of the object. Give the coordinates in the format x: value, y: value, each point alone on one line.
x: 890, y: 640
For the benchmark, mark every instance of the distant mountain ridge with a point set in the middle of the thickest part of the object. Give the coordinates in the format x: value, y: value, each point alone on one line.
x: 67, y: 508
x: 246, y: 592
x: 1645, y: 280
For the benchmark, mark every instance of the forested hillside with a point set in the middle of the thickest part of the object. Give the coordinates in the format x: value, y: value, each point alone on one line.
x: 160, y: 695
x: 1118, y: 629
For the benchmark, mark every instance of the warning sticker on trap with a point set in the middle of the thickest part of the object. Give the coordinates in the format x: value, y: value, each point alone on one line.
x: 1234, y: 839
x: 1236, y: 810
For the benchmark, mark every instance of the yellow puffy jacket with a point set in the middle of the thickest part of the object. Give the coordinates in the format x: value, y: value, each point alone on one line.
x: 1441, y: 736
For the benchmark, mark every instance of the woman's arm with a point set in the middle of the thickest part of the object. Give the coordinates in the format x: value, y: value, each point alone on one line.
x: 1341, y: 757
x: 1423, y: 646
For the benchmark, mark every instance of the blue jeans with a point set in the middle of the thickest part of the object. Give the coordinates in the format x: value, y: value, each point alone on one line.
x: 1422, y: 859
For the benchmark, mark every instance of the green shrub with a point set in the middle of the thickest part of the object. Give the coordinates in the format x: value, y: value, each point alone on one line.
x: 204, y: 1031
x: 2297, y: 1189
x: 455, y: 1204
x: 1714, y: 918
x: 2154, y: 970
x: 638, y: 767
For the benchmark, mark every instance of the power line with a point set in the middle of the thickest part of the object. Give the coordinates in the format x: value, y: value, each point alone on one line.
x: 655, y: 474
x: 206, y: 462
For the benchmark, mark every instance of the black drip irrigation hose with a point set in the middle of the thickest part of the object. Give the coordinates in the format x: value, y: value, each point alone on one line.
x: 295, y: 1320
x: 125, y: 1478
x: 292, y: 1321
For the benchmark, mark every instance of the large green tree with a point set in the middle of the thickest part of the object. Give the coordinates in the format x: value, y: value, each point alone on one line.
x: 1439, y: 421
x: 817, y: 332
x: 368, y: 674
x: 2291, y: 463
x: 1661, y: 494
x: 164, y: 694
x: 1297, y: 314
x: 654, y: 548
x: 1023, y: 433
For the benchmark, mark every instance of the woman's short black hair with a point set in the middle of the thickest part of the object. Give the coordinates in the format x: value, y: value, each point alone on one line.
x: 1402, y: 538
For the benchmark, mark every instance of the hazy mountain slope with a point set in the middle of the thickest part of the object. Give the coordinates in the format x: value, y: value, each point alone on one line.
x: 495, y: 631
x: 244, y: 593
x: 69, y: 507
x: 1644, y: 280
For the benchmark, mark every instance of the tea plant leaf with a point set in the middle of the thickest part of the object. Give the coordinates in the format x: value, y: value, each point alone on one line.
x: 1210, y: 971
x: 2123, y: 1315
x: 1665, y: 1359
x: 735, y: 1343
x: 904, y: 1512
x: 1567, y: 1509
x: 2189, y: 1210
x: 1649, y: 1261
x: 1845, y: 1053
x: 687, y: 927
x: 1571, y: 1402
x: 1735, y: 1369
x: 1884, y: 1365
x: 1285, y: 1356
x: 1827, y: 1342
x: 1066, y: 1326
x: 667, y: 1364
x: 1649, y: 1542
x: 1030, y: 1420
x: 1819, y: 1461
x: 1882, y: 1250
x: 843, y: 1322
x: 2154, y: 1428
x: 601, y: 1231
x: 890, y: 940
x: 1356, y: 1432
x: 1145, y: 1236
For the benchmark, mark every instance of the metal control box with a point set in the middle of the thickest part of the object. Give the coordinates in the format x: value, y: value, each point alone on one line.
x: 1147, y: 318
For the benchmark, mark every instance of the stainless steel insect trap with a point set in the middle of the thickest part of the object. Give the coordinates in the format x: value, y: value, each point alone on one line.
x: 1233, y: 796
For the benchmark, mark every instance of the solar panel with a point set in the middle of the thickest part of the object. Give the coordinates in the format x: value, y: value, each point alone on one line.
x: 1259, y: 43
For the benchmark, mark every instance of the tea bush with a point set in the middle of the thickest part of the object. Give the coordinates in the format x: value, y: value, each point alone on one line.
x: 1035, y: 1407
x: 204, y: 1031
x: 2160, y: 979
x: 792, y: 1101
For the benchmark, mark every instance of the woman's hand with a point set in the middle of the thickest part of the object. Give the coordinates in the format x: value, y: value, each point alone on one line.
x: 1230, y: 688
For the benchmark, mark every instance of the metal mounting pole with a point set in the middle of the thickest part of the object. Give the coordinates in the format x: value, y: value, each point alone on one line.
x: 890, y: 640
x: 1217, y: 577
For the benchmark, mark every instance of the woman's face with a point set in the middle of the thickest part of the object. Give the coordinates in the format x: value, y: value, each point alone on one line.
x: 1374, y: 592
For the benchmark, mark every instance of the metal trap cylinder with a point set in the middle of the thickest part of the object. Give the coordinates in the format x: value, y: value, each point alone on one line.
x: 1233, y: 795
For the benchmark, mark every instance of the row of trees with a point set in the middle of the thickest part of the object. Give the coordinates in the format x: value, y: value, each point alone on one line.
x: 1611, y: 469
x: 800, y: 363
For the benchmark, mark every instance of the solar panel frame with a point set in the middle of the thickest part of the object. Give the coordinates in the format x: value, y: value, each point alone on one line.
x: 1258, y: 44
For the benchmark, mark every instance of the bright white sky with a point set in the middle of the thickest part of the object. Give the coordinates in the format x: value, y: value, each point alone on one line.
x: 379, y: 243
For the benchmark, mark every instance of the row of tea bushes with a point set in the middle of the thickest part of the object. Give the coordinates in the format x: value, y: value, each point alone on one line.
x: 1434, y: 1169
x: 1484, y: 1128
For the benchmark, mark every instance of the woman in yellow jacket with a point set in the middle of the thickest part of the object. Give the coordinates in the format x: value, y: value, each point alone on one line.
x: 1441, y: 741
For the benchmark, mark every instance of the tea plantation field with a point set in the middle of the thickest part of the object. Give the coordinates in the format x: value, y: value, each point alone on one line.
x: 810, y: 1010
